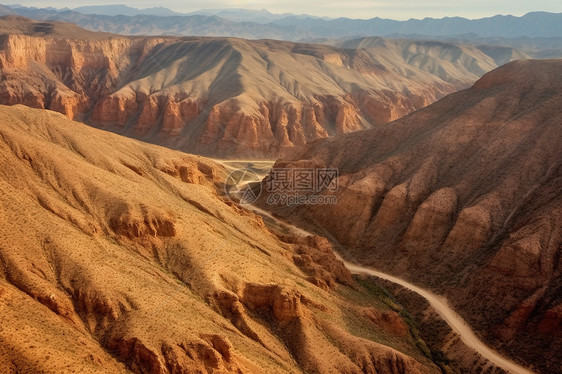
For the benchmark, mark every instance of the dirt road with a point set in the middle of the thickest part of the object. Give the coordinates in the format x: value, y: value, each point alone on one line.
x: 457, y: 324
x: 438, y: 303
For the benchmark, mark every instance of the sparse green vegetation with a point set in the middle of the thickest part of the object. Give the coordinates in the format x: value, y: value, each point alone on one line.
x: 438, y: 357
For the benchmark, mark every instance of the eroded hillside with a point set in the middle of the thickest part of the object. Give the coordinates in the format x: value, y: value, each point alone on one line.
x: 463, y: 196
x: 224, y: 96
x: 118, y: 256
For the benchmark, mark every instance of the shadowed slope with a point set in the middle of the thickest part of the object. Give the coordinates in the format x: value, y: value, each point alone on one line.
x: 463, y: 196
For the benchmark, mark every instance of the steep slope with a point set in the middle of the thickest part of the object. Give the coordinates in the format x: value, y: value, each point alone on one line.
x: 226, y: 97
x: 118, y: 256
x: 451, y: 62
x: 463, y: 196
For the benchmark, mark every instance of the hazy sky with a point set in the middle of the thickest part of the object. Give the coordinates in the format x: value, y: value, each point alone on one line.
x: 397, y: 9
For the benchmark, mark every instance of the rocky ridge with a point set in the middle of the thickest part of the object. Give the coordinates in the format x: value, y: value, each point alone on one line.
x: 223, y: 96
x: 462, y: 196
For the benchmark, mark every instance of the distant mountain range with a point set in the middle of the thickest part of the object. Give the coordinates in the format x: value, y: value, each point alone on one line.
x: 262, y: 16
x: 112, y: 10
x: 263, y: 24
x: 238, y: 15
x: 248, y: 15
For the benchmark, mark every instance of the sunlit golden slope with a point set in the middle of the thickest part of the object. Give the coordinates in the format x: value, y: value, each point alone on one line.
x: 118, y: 256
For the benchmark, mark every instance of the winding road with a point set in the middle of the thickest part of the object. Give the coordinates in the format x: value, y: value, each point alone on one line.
x: 457, y: 324
x: 438, y: 303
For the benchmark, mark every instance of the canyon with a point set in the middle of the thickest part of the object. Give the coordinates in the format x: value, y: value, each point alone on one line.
x: 462, y: 197
x: 146, y: 219
x: 227, y: 97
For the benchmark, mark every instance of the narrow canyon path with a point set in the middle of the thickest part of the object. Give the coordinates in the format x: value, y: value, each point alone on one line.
x: 438, y: 303
x: 457, y: 324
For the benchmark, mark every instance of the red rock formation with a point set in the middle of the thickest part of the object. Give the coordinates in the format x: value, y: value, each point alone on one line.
x: 463, y: 196
x: 224, y: 97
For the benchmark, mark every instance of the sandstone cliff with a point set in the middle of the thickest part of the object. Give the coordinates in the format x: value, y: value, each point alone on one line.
x: 463, y: 196
x: 225, y: 96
